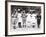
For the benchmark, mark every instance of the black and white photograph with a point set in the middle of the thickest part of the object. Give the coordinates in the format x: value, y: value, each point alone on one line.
x: 25, y: 18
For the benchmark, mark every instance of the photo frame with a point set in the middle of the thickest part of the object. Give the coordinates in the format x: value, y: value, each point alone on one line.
x: 24, y: 18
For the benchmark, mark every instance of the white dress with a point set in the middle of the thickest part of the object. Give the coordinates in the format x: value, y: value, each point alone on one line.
x: 31, y: 19
x: 34, y: 20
